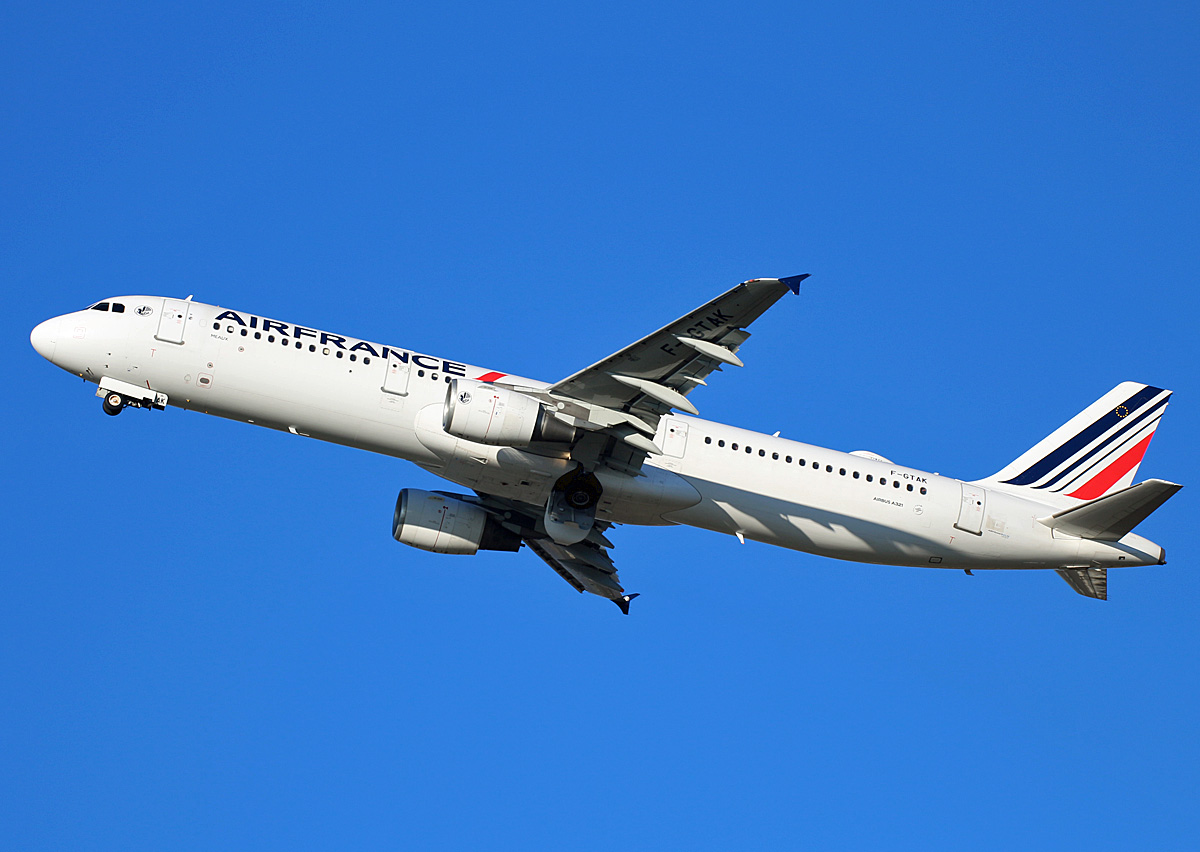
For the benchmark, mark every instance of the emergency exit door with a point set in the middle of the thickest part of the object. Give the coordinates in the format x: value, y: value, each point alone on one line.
x: 395, y: 380
x: 674, y: 438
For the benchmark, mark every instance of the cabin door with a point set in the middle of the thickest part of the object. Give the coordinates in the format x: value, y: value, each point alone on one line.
x: 172, y: 320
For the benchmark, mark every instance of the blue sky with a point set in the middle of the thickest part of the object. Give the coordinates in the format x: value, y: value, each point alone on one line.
x: 208, y: 638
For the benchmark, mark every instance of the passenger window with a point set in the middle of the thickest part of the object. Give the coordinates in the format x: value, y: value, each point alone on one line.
x: 339, y: 353
x: 258, y: 335
x: 775, y: 456
x: 312, y: 347
x: 842, y: 472
x: 910, y: 488
x: 856, y: 474
x: 733, y: 446
x: 922, y: 489
x: 270, y: 338
x: 870, y: 478
x: 829, y: 468
x: 882, y: 481
x: 787, y: 459
x: 244, y: 332
x: 420, y: 373
x: 299, y: 344
x: 721, y: 442
x: 216, y: 326
x: 895, y: 483
x: 229, y: 329
x: 707, y: 440
x: 816, y: 465
x: 325, y: 351
x: 353, y: 357
x: 749, y: 450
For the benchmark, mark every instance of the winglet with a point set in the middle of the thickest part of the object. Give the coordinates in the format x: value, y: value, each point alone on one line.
x: 623, y: 602
x: 793, y: 281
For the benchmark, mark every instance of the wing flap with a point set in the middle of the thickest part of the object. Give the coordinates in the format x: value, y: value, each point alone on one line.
x: 585, y: 566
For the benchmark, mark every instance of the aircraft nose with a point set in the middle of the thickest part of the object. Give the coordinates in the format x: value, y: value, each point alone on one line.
x: 44, y: 338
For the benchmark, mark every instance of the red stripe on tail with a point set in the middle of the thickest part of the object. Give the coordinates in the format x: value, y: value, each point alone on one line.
x: 1101, y: 482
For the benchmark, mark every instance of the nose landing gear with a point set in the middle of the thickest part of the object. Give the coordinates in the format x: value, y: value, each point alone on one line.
x: 113, y: 403
x: 119, y: 395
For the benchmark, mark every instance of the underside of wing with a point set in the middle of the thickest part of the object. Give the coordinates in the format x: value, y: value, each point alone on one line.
x: 1089, y: 582
x: 586, y: 566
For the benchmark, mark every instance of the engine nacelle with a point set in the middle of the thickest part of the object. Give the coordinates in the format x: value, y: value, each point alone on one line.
x: 488, y: 414
x: 444, y: 524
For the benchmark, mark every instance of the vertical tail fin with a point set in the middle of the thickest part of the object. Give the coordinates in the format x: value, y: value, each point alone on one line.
x: 1097, y: 451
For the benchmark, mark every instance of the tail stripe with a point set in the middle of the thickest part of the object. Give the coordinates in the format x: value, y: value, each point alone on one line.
x: 1100, y: 483
x: 1131, y: 426
x: 1048, y: 463
x: 1084, y: 472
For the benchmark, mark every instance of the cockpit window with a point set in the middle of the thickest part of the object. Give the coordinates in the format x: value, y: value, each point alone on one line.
x: 100, y: 306
x: 118, y: 308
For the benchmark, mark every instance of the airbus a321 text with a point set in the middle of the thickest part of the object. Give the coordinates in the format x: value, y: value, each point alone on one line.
x: 556, y: 466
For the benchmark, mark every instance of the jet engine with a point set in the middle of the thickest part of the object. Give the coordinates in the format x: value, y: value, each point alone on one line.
x: 445, y: 524
x: 492, y: 415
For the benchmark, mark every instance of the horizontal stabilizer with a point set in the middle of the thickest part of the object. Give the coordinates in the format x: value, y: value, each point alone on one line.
x: 1089, y: 582
x: 1111, y: 517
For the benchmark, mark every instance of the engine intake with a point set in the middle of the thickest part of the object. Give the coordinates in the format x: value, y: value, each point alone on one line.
x: 488, y: 414
x: 444, y: 524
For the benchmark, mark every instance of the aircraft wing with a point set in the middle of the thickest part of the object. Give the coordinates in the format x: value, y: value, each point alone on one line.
x: 616, y: 404
x: 655, y: 374
x: 586, y: 566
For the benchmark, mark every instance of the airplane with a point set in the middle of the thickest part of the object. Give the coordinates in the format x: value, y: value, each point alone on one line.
x: 555, y: 466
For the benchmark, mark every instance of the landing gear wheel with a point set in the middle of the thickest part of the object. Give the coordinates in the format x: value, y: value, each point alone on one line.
x: 113, y: 404
x: 580, y: 498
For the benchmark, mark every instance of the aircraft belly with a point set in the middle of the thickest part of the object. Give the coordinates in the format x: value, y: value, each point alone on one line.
x: 837, y: 525
x: 647, y: 499
x: 804, y: 526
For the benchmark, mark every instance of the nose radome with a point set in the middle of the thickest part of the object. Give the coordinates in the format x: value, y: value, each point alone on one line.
x: 44, y: 338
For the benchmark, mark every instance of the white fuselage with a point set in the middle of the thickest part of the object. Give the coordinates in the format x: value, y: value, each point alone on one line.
x: 389, y: 400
